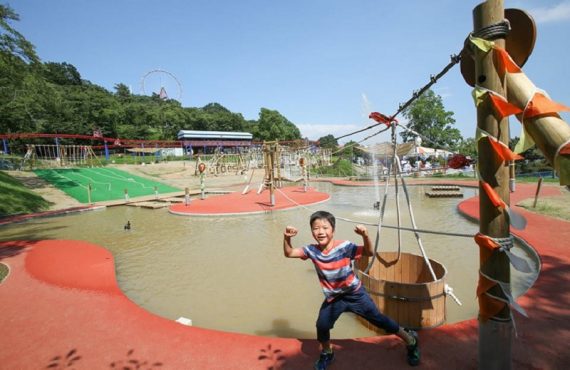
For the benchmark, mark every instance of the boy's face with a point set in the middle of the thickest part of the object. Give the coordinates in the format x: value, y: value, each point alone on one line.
x: 322, y: 232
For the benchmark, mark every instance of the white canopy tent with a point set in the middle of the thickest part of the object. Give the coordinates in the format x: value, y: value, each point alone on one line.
x: 409, y: 149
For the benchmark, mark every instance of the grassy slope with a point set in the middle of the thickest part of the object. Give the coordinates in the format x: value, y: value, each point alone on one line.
x: 16, y: 199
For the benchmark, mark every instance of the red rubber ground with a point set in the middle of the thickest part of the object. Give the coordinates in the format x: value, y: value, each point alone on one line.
x: 61, y: 307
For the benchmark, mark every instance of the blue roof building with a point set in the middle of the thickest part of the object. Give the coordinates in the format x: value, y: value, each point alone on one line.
x: 208, y: 141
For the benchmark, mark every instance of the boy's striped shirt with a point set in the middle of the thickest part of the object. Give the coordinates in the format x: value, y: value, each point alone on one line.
x: 334, y: 268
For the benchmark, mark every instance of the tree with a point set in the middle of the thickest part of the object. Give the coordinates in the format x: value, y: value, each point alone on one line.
x: 53, y: 98
x: 428, y: 117
x: 11, y: 41
x: 328, y: 142
x: 273, y: 126
x: 61, y: 73
x: 122, y: 92
x: 468, y: 147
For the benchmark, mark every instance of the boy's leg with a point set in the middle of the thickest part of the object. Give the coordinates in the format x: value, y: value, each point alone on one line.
x: 362, y: 305
x: 328, y: 314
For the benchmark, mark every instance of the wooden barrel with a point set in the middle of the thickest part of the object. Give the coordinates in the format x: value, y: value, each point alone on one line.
x: 404, y: 289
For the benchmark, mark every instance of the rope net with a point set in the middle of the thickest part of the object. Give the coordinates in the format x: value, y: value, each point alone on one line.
x: 54, y: 156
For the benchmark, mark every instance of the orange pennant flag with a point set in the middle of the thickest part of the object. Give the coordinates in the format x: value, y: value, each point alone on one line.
x: 503, y: 151
x: 484, y: 285
x: 486, y: 246
x: 493, y: 196
x: 540, y: 105
x: 489, y: 307
x: 503, y: 107
x: 505, y: 63
x: 484, y: 241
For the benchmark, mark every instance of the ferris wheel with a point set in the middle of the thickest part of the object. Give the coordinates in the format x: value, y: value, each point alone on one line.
x: 162, y: 83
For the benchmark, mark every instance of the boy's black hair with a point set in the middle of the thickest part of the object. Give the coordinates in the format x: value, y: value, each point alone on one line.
x: 323, y: 215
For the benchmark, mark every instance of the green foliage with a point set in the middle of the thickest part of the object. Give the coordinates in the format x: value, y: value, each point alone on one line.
x: 428, y: 116
x: 340, y: 168
x: 16, y: 199
x: 52, y: 97
x: 349, y: 151
x: 11, y: 41
x: 61, y: 74
x: 533, y: 162
x: 273, y: 126
x: 3, y: 272
x: 468, y: 147
x: 328, y: 142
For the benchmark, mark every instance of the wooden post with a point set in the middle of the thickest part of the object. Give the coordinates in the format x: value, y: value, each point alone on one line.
x: 495, y: 334
x: 277, y: 161
x: 186, y: 197
x: 271, y: 161
x: 537, y: 192
x: 512, y: 177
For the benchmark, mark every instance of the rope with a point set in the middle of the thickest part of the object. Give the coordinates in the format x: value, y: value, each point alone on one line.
x: 455, y: 58
x: 423, y: 231
x: 361, y: 141
x: 397, y: 169
x: 412, y: 218
x: 494, y: 31
x: 505, y: 245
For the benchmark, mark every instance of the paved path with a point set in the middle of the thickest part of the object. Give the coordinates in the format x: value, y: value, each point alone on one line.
x: 62, y: 308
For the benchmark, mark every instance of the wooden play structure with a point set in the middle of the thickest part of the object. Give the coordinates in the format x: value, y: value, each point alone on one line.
x: 55, y: 156
x: 272, y: 165
x: 221, y: 163
x: 491, y: 62
x: 444, y: 191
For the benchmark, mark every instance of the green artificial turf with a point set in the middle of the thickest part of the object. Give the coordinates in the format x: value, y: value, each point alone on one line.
x: 105, y: 183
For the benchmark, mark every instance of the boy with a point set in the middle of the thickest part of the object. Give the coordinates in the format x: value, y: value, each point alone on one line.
x: 342, y: 289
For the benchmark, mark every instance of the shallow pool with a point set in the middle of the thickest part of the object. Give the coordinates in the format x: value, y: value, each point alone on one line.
x: 229, y: 273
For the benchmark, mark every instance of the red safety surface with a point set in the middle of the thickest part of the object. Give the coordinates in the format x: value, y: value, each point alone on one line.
x: 61, y: 307
x: 250, y: 203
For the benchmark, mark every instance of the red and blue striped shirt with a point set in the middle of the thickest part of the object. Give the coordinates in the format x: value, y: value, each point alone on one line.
x: 334, y: 268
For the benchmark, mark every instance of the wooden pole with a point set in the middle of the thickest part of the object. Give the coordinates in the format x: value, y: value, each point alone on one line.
x: 549, y: 132
x: 277, y: 157
x: 271, y: 158
x: 495, y: 334
x: 537, y: 192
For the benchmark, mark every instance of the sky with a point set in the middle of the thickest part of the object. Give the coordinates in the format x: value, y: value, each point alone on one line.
x: 323, y: 64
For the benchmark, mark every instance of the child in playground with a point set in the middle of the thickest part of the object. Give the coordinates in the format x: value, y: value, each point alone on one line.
x: 342, y: 289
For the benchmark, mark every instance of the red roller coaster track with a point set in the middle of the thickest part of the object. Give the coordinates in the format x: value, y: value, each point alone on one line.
x: 114, y: 141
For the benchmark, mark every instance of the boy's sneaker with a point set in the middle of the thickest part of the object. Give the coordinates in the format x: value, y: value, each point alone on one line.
x: 324, y: 361
x: 413, y: 349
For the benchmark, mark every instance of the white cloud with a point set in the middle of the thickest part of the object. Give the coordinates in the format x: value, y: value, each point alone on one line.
x: 314, y: 131
x: 556, y: 13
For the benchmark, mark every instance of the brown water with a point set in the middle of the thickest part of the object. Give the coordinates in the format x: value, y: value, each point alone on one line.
x: 229, y: 273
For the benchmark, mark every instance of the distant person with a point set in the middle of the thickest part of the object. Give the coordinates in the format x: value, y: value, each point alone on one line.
x: 342, y: 289
x: 128, y: 225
